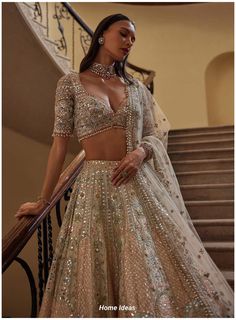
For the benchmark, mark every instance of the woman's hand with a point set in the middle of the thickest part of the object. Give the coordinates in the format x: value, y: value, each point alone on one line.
x: 30, y: 209
x: 130, y: 164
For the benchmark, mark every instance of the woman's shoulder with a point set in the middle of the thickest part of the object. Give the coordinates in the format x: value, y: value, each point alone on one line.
x: 69, y: 77
x: 65, y: 84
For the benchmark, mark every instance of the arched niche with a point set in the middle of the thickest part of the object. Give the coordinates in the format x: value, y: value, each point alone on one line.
x: 219, y: 79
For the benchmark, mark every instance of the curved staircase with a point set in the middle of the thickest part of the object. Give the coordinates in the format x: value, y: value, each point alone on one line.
x: 203, y: 159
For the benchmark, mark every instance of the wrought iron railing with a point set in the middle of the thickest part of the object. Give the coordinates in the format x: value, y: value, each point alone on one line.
x: 66, y: 29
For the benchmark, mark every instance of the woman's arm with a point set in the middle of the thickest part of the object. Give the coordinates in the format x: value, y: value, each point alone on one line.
x: 55, y: 163
x: 54, y: 167
x: 62, y: 131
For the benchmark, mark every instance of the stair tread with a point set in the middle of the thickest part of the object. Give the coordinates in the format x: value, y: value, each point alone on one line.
x: 228, y: 274
x: 209, y: 202
x: 205, y: 171
x: 199, y: 128
x: 214, y: 222
x: 203, y: 160
x: 201, y: 150
x: 207, y: 185
x: 219, y: 244
x: 199, y: 134
x: 199, y: 141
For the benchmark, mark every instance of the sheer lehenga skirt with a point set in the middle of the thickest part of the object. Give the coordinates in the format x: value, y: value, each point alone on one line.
x: 126, y: 251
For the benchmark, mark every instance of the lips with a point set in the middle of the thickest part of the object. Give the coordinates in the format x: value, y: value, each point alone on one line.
x: 125, y: 50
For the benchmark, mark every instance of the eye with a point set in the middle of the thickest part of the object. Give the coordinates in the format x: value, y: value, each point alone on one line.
x: 123, y: 34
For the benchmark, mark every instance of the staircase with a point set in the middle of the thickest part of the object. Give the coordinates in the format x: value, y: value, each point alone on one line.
x: 203, y: 159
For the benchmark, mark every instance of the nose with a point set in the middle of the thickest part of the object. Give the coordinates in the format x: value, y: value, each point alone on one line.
x: 129, y: 43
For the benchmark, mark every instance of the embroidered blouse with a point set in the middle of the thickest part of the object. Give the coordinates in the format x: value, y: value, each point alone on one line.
x: 76, y: 109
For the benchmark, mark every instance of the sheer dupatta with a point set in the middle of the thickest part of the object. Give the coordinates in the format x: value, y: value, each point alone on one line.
x: 154, y: 129
x: 148, y: 124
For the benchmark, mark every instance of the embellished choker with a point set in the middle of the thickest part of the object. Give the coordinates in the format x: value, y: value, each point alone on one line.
x: 103, y: 71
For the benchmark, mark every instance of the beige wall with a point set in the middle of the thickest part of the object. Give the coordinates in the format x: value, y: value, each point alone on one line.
x: 179, y: 43
x: 219, y: 84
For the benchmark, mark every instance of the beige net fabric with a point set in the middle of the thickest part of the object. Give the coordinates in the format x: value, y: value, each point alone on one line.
x: 122, y: 253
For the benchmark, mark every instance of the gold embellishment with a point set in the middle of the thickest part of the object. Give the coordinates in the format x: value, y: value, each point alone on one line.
x: 148, y: 150
x: 87, y: 114
x: 103, y: 71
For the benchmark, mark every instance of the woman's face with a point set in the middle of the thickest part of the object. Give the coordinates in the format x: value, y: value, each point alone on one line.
x: 119, y: 39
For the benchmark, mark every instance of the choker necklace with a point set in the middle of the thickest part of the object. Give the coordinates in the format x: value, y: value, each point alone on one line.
x: 103, y: 71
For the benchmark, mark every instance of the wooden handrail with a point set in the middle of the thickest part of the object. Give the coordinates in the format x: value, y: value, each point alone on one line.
x: 77, y: 18
x: 15, y: 240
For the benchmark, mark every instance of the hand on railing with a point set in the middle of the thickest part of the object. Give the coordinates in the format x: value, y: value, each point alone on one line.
x: 30, y: 208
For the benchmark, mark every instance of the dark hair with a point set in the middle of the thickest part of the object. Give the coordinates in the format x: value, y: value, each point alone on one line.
x: 94, y: 46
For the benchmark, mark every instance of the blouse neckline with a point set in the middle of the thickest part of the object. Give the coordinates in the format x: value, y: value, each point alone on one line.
x: 123, y: 104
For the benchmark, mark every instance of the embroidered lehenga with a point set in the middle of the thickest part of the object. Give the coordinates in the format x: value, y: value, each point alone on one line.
x: 131, y: 250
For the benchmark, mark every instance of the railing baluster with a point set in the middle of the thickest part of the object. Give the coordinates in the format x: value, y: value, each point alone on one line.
x: 73, y: 43
x: 40, y: 265
x: 38, y: 11
x: 45, y: 250
x: 50, y: 245
x: 32, y: 286
x: 47, y: 20
x: 58, y: 213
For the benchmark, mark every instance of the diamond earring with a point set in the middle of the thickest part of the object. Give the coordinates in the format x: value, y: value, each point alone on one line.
x: 101, y: 40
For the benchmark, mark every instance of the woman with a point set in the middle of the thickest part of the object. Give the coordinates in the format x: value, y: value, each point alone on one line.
x: 127, y: 246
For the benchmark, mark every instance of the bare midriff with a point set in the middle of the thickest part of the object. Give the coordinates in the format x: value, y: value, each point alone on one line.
x: 105, y: 145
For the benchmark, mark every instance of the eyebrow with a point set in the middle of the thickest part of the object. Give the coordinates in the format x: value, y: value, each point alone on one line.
x: 128, y: 31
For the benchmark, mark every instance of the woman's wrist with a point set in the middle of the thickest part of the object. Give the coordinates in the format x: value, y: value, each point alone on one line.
x: 144, y: 153
x: 43, y: 200
x: 147, y: 150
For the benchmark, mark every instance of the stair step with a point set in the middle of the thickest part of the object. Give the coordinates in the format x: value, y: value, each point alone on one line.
x: 196, y: 145
x: 217, y: 129
x: 209, y: 176
x: 215, y: 229
x: 201, y: 136
x: 229, y: 276
x: 222, y: 191
x: 203, y: 164
x: 210, y: 209
x: 222, y: 253
x: 202, y: 154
